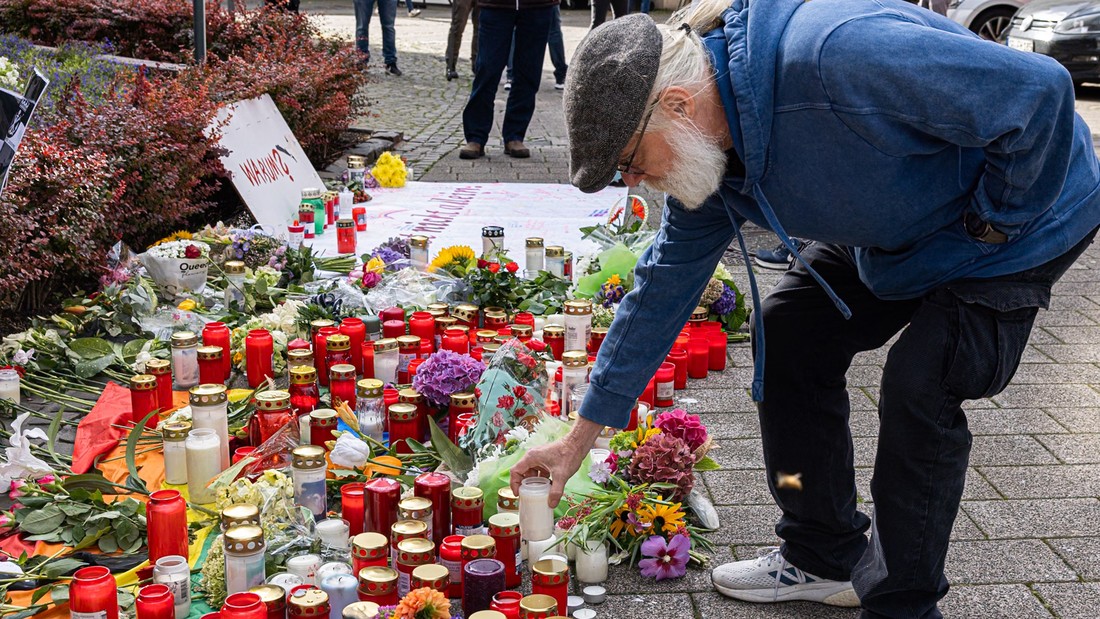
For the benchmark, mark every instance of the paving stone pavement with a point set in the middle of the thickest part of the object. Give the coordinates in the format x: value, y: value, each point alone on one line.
x: 1026, y: 542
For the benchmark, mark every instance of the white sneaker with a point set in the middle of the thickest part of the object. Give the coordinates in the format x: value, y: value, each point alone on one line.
x: 508, y: 85
x: 414, y: 13
x: 770, y: 578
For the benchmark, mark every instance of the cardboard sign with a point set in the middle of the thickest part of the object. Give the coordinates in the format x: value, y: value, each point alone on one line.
x: 266, y: 163
x: 15, y: 115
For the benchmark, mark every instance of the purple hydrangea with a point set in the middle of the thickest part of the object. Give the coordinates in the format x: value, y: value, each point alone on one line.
x: 389, y: 256
x: 726, y: 303
x: 446, y: 373
x: 398, y: 245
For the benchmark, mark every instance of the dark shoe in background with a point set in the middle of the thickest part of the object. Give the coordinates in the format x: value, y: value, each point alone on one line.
x: 472, y: 150
x: 516, y: 149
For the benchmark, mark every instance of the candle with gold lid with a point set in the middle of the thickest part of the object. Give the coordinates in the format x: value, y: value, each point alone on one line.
x: 433, y: 576
x: 538, y: 607
x: 378, y: 585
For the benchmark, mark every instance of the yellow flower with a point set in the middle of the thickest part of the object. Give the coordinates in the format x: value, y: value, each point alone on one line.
x: 664, y: 518
x: 620, y: 523
x: 614, y: 280
x: 643, y: 434
x: 448, y: 256
x: 375, y: 264
x: 187, y: 305
x: 182, y: 235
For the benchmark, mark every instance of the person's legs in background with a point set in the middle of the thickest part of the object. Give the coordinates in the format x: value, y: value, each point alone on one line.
x: 363, y: 10
x: 532, y: 30
x: 495, y: 38
x: 460, y: 13
x: 556, y: 43
x: 508, y: 73
x: 476, y: 13
x: 599, y: 12
x: 413, y: 11
x: 387, y: 14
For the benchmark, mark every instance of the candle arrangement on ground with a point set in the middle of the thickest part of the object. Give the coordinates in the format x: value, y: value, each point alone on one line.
x: 290, y: 443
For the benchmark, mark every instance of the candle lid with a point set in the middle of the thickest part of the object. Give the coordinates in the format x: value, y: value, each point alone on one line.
x: 507, y: 500
x: 302, y: 374
x: 574, y: 359
x: 270, y: 594
x: 521, y: 329
x: 486, y: 335
x: 322, y: 416
x: 342, y: 371
x: 478, y: 542
x: 345, y: 222
x: 534, y: 241
x: 438, y: 306
x: 309, y: 193
x: 483, y: 567
x: 408, y: 341
x: 496, y: 313
x: 465, y: 312
x: 539, y: 603
x: 370, y: 388
x: 490, y: 347
x: 418, y: 241
x: 414, y: 505
x: 504, y: 524
x: 176, y: 430
x: 578, y: 307
x: 557, y: 571
x: 234, y: 267
x: 700, y: 313
x: 357, y: 161
x: 431, y: 575
x: 501, y: 338
x: 306, y: 599
x: 488, y: 614
x: 361, y: 610
x: 555, y: 251
x: 462, y: 399
x: 240, y: 514
x: 183, y: 339
x: 377, y: 580
x: 402, y: 411
x: 206, y: 395
x: 404, y: 529
x: 442, y: 323
x: 321, y: 322
x: 338, y: 341
x: 467, y: 497
x: 415, y: 551
x: 209, y: 353
x: 308, y: 457
x: 409, y: 396
x: 158, y: 367
x: 492, y: 231
x: 385, y: 344
x: 553, y: 331
x: 437, y: 314
x: 369, y: 545
x: 599, y: 331
x: 143, y: 382
x: 274, y: 400
x: 584, y: 613
x: 244, y: 538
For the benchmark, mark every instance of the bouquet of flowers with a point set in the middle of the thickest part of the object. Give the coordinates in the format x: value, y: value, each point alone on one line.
x: 666, y: 452
x: 724, y: 300
x: 390, y: 170
x: 424, y: 603
x: 446, y: 373
x: 625, y: 224
x: 511, y: 392
x: 494, y: 284
x: 178, y: 267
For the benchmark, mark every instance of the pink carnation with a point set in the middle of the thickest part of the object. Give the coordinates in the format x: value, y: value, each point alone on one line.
x: 683, y: 426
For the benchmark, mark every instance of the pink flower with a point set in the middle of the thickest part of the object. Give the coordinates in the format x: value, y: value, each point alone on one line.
x: 665, y: 560
x: 16, y: 489
x: 371, y: 279
x: 7, y: 520
x: 497, y: 420
x: 683, y: 426
x: 46, y: 479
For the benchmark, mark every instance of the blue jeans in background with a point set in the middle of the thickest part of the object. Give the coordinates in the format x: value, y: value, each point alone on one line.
x: 497, y: 27
x: 387, y: 13
x: 556, y: 44
x: 632, y: 6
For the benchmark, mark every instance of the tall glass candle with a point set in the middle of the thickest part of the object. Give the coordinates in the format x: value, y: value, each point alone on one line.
x: 460, y: 403
x: 386, y: 360
x: 345, y: 236
x: 259, y: 348
x: 93, y: 594
x: 352, y: 506
x: 166, y: 519
x: 481, y: 580
x: 338, y: 351
x: 320, y: 350
x: 717, y: 342
x: 210, y: 409
x: 185, y: 359
x: 578, y: 324
x: 574, y: 376
x: 504, y: 529
x: 203, y: 463
x: 592, y: 563
x: 155, y: 602
x: 536, y: 517
x: 370, y: 408
x: 175, y: 573
x: 162, y: 369
x: 450, y: 556
x: 143, y: 399
x: 272, y: 413
x: 382, y: 496
x: 369, y: 550
x: 555, y: 260
x: 357, y: 333
x: 408, y: 347
x: 492, y: 242
x: 467, y: 504
x: 422, y: 325
x: 436, y: 487
x: 536, y: 257
x: 665, y: 383
x: 418, y: 252
x: 305, y: 395
x: 698, y: 356
x: 308, y: 469
x: 378, y: 585
x: 679, y: 358
x: 244, y: 558
x: 233, y: 297
x: 211, y: 370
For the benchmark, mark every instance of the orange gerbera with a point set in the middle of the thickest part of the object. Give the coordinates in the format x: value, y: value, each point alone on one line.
x: 423, y: 603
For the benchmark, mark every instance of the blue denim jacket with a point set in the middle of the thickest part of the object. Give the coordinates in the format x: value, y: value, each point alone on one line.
x: 876, y: 125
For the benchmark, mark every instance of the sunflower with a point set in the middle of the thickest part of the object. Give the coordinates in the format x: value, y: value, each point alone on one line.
x: 424, y: 603
x: 182, y: 235
x: 454, y: 260
x: 665, y: 517
x: 643, y: 434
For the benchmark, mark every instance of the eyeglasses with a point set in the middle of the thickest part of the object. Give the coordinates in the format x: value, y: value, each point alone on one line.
x: 628, y: 167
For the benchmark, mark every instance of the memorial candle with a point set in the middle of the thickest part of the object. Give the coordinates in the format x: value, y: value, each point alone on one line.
x: 155, y: 602
x: 378, y: 585
x: 369, y: 550
x: 217, y: 334
x: 481, y: 580
x: 504, y: 529
x: 352, y: 506
x: 698, y: 355
x: 143, y: 399
x: 551, y: 577
x: 679, y: 358
x: 162, y: 369
x: 382, y: 495
x: 166, y: 520
x: 422, y: 325
x: 436, y: 487
x: 211, y: 370
x: 258, y: 351
x: 93, y: 594
x: 357, y: 334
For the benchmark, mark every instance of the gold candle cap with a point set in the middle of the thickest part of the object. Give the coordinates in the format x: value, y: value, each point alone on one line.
x: 486, y: 335
x: 700, y: 314
x: 553, y: 331
x: 361, y: 610
x: 505, y: 524
x: 176, y: 430
x: 209, y: 353
x: 377, y: 581
x: 418, y: 241
x: 158, y: 367
x: 369, y: 388
x: 439, y: 306
x: 488, y: 614
x: 308, y: 600
x: 578, y: 307
x: 534, y: 241
x: 184, y: 339
x: 143, y: 382
x: 402, y: 411
x: 410, y: 396
x: 462, y: 399
x: 303, y: 375
x: 342, y: 371
x: 574, y: 359
x: 270, y: 594
x: 550, y: 567
x: 521, y: 330
x: 303, y: 355
x: 385, y: 344
x: 308, y: 457
x: 309, y: 193
x: 338, y: 341
x: 555, y: 251
x: 507, y: 500
x: 408, y: 342
x: 321, y: 323
x: 234, y: 267
x: 415, y: 551
x: 538, y: 604
x: 404, y: 529
x: 208, y: 395
x: 243, y: 539
x: 415, y: 505
x: 369, y: 545
x: 465, y: 497
x: 240, y: 514
x: 274, y: 400
x: 431, y: 575
x: 443, y: 323
x: 478, y: 542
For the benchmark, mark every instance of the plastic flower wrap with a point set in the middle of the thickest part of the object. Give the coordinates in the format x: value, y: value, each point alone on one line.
x: 617, y: 260
x: 178, y: 267
x: 389, y: 171
x: 712, y: 292
x: 446, y: 373
x: 511, y: 392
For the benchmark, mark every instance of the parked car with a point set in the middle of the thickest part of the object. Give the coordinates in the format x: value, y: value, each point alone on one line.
x: 1066, y: 30
x: 986, y: 18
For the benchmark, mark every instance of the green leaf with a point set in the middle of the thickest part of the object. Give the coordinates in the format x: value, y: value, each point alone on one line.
x: 60, y: 593
x: 227, y: 476
x: 91, y: 538
x: 60, y: 567
x: 135, y: 481
x: 90, y: 367
x: 103, y: 516
x: 38, y: 593
x: 707, y: 464
x: 91, y: 347
x: 25, y: 613
x: 76, y: 533
x: 456, y: 459
x: 77, y: 486
x: 45, y: 520
x: 131, y: 350
x: 71, y: 508
x: 52, y: 538
x: 108, y: 544
x: 51, y: 434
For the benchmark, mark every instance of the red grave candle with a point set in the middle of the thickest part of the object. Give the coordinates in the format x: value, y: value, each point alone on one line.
x: 393, y: 329
x: 166, y: 520
x: 369, y: 550
x: 717, y: 342
x: 357, y: 334
x: 422, y: 324
x: 414, y: 365
x: 378, y: 585
x: 455, y: 340
x: 460, y: 403
x: 450, y: 555
x: 320, y: 352
x: 217, y: 334
x: 272, y: 413
x: 305, y: 395
x: 649, y: 396
x: 342, y: 383
x: 507, y: 603
x: 244, y: 606
x: 382, y: 496
x: 596, y: 339
x: 665, y: 383
x: 698, y: 356
x: 155, y: 602
x: 679, y: 358
x: 322, y: 423
x: 162, y: 369
x: 467, y: 506
x: 404, y: 424
x: 352, y: 506
x: 368, y: 358
x: 359, y: 214
x: 345, y: 236
x: 524, y: 318
x: 389, y: 396
x: 393, y: 313
x: 143, y: 399
x: 551, y: 577
x: 241, y: 453
x: 554, y: 336
x: 92, y: 593
x: 211, y: 370
x: 436, y: 487
x: 258, y: 351
x: 504, y: 529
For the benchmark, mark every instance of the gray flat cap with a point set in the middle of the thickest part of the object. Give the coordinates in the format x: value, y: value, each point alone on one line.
x: 610, y: 80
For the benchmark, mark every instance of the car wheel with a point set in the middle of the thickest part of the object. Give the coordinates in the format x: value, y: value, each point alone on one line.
x: 992, y: 23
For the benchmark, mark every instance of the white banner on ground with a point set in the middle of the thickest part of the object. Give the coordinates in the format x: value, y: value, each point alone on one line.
x: 454, y: 213
x: 266, y: 163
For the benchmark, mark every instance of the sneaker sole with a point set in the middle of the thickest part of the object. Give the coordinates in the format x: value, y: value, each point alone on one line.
x: 823, y: 593
x: 775, y: 266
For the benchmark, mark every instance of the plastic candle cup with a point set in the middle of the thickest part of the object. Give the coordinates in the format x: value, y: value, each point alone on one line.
x: 155, y: 602
x: 203, y: 463
x: 143, y: 398
x: 536, y: 517
x: 717, y: 342
x: 352, y: 506
x: 369, y: 550
x: 308, y: 471
x: 244, y: 558
x: 334, y: 532
x: 174, y: 572
x: 92, y: 593
x: 166, y: 517
x: 698, y: 356
x: 175, y: 451
x: 209, y: 410
x: 273, y: 598
x: 679, y: 358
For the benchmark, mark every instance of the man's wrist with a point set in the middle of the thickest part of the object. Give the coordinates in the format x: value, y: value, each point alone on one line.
x: 583, y: 435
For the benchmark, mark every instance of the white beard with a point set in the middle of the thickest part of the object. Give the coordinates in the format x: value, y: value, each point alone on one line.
x: 697, y: 168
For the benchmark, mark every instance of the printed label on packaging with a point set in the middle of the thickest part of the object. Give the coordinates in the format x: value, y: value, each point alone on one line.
x: 665, y: 391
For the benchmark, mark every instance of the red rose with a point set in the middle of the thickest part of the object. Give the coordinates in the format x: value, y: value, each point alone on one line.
x: 477, y: 393
x: 536, y: 345
x: 481, y: 264
x: 192, y: 252
x: 506, y: 401
x: 512, y: 267
x: 519, y: 390
x: 494, y: 267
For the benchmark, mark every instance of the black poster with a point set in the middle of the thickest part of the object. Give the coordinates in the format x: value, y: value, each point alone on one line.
x: 15, y: 115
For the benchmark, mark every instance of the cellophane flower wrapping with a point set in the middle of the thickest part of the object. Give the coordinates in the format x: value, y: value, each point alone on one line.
x: 178, y: 267
x: 408, y: 287
x: 512, y: 392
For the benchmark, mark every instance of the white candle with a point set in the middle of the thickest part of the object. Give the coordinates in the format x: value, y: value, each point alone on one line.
x: 334, y: 532
x: 536, y: 550
x: 203, y: 463
x: 592, y: 563
x: 173, y: 572
x: 9, y: 385
x: 536, y: 517
x: 566, y: 548
x: 304, y: 567
x: 286, y: 581
x: 210, y: 409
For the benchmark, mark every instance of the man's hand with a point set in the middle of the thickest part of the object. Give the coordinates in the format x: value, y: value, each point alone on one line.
x: 558, y: 460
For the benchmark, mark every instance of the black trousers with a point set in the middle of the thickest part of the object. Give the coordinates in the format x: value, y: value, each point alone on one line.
x: 599, y: 10
x: 962, y: 341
